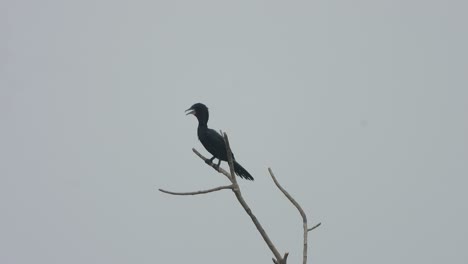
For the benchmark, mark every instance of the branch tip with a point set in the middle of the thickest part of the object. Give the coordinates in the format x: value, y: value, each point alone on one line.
x: 315, y: 226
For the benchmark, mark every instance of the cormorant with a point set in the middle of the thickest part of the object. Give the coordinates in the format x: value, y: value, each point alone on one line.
x: 213, y: 141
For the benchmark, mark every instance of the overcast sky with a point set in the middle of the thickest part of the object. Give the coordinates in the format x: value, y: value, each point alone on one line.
x: 360, y: 108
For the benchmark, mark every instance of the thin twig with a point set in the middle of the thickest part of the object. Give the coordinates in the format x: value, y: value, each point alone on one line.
x: 299, y: 208
x: 198, y: 192
x: 315, y: 226
x: 246, y: 207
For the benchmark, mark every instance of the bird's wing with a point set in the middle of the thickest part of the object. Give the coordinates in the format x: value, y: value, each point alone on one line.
x: 215, y: 138
x: 217, y: 144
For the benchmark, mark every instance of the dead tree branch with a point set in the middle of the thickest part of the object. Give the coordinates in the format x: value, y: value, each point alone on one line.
x: 303, y: 215
x: 247, y: 209
x: 198, y: 192
x: 278, y: 259
x: 315, y: 226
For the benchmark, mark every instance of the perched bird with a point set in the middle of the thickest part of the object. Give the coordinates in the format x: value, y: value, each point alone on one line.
x: 213, y: 141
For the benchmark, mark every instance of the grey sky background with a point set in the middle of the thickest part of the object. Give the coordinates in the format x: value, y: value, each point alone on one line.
x: 360, y: 108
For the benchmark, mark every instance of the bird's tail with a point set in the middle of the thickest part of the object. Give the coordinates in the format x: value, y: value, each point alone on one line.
x: 241, y: 172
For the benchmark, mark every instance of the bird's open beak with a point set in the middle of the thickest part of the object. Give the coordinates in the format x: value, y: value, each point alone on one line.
x: 190, y: 111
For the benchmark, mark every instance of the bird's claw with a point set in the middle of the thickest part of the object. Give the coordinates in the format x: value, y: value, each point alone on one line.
x: 210, y: 162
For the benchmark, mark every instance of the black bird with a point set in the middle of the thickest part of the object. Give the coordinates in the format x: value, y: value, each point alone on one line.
x: 213, y: 141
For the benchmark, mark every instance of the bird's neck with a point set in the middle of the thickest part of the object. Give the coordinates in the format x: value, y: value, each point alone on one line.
x: 202, y: 125
x: 202, y: 121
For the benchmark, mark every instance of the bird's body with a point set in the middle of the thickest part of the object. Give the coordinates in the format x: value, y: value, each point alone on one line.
x: 213, y: 141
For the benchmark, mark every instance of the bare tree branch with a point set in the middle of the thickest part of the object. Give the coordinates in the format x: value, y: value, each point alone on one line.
x: 278, y: 259
x: 246, y: 207
x: 315, y: 226
x: 299, y: 208
x: 198, y: 192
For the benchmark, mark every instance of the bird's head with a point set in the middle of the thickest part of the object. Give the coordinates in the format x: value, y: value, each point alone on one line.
x: 200, y: 111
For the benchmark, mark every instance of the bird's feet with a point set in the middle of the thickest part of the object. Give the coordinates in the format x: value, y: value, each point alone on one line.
x: 210, y: 162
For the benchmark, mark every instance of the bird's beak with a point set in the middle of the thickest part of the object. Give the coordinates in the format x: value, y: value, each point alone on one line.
x: 190, y: 111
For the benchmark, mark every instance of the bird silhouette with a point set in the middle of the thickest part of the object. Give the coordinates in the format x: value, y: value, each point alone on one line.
x: 213, y: 141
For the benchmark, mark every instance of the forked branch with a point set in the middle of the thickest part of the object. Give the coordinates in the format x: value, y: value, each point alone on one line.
x: 278, y: 259
x: 303, y: 215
